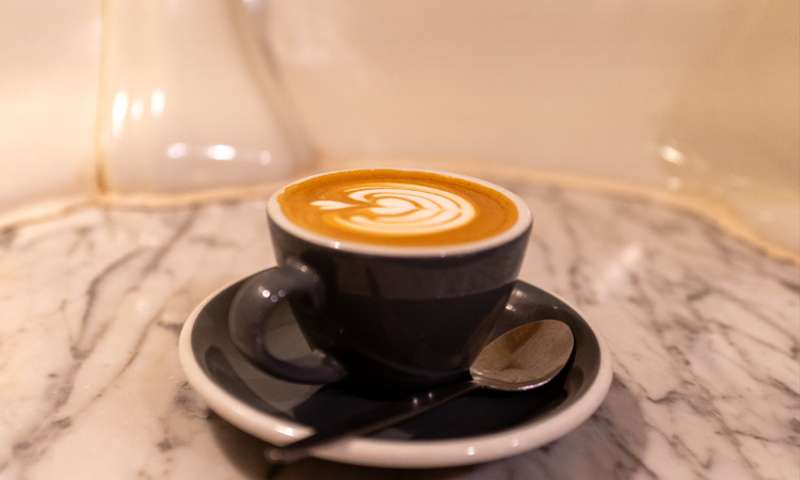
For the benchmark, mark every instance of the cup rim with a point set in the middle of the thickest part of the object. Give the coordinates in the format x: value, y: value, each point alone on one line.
x: 524, y: 221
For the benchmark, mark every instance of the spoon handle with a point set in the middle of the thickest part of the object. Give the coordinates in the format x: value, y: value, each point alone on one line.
x: 368, y: 422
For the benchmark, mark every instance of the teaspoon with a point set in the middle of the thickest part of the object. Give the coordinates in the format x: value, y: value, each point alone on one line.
x: 521, y: 359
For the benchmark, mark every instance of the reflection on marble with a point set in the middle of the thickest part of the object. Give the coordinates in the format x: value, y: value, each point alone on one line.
x: 703, y: 328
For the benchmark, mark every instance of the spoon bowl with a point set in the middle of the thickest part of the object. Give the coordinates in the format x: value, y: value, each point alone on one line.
x: 525, y: 357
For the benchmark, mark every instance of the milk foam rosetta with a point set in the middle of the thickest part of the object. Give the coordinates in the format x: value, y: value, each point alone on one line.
x: 395, y: 207
x: 399, y: 209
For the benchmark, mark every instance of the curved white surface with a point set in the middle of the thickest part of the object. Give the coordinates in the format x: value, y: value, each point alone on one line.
x: 390, y: 453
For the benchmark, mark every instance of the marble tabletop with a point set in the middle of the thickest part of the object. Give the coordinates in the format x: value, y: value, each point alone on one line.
x: 704, y: 330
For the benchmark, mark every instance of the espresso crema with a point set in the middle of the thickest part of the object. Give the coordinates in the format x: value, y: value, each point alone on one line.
x: 398, y: 208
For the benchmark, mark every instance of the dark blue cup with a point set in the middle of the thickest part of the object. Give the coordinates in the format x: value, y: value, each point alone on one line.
x: 396, y: 317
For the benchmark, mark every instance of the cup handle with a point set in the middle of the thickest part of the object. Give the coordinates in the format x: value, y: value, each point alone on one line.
x: 253, y: 307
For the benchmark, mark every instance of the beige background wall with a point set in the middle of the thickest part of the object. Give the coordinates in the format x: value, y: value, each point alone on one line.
x: 49, y: 70
x: 582, y: 86
x: 179, y: 96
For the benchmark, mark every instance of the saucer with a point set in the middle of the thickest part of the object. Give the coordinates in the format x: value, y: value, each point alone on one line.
x: 478, y: 427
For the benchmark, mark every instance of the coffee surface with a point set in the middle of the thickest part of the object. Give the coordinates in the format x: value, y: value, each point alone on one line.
x: 398, y: 208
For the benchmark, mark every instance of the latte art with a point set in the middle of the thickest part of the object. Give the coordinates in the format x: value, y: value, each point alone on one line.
x: 398, y: 209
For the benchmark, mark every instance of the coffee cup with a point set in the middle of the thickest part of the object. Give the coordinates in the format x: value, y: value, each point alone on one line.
x: 396, y: 277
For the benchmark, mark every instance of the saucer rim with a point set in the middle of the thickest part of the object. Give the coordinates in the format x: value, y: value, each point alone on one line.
x: 397, y: 453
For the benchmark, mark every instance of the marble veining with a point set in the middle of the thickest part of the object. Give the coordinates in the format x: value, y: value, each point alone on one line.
x: 704, y: 330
